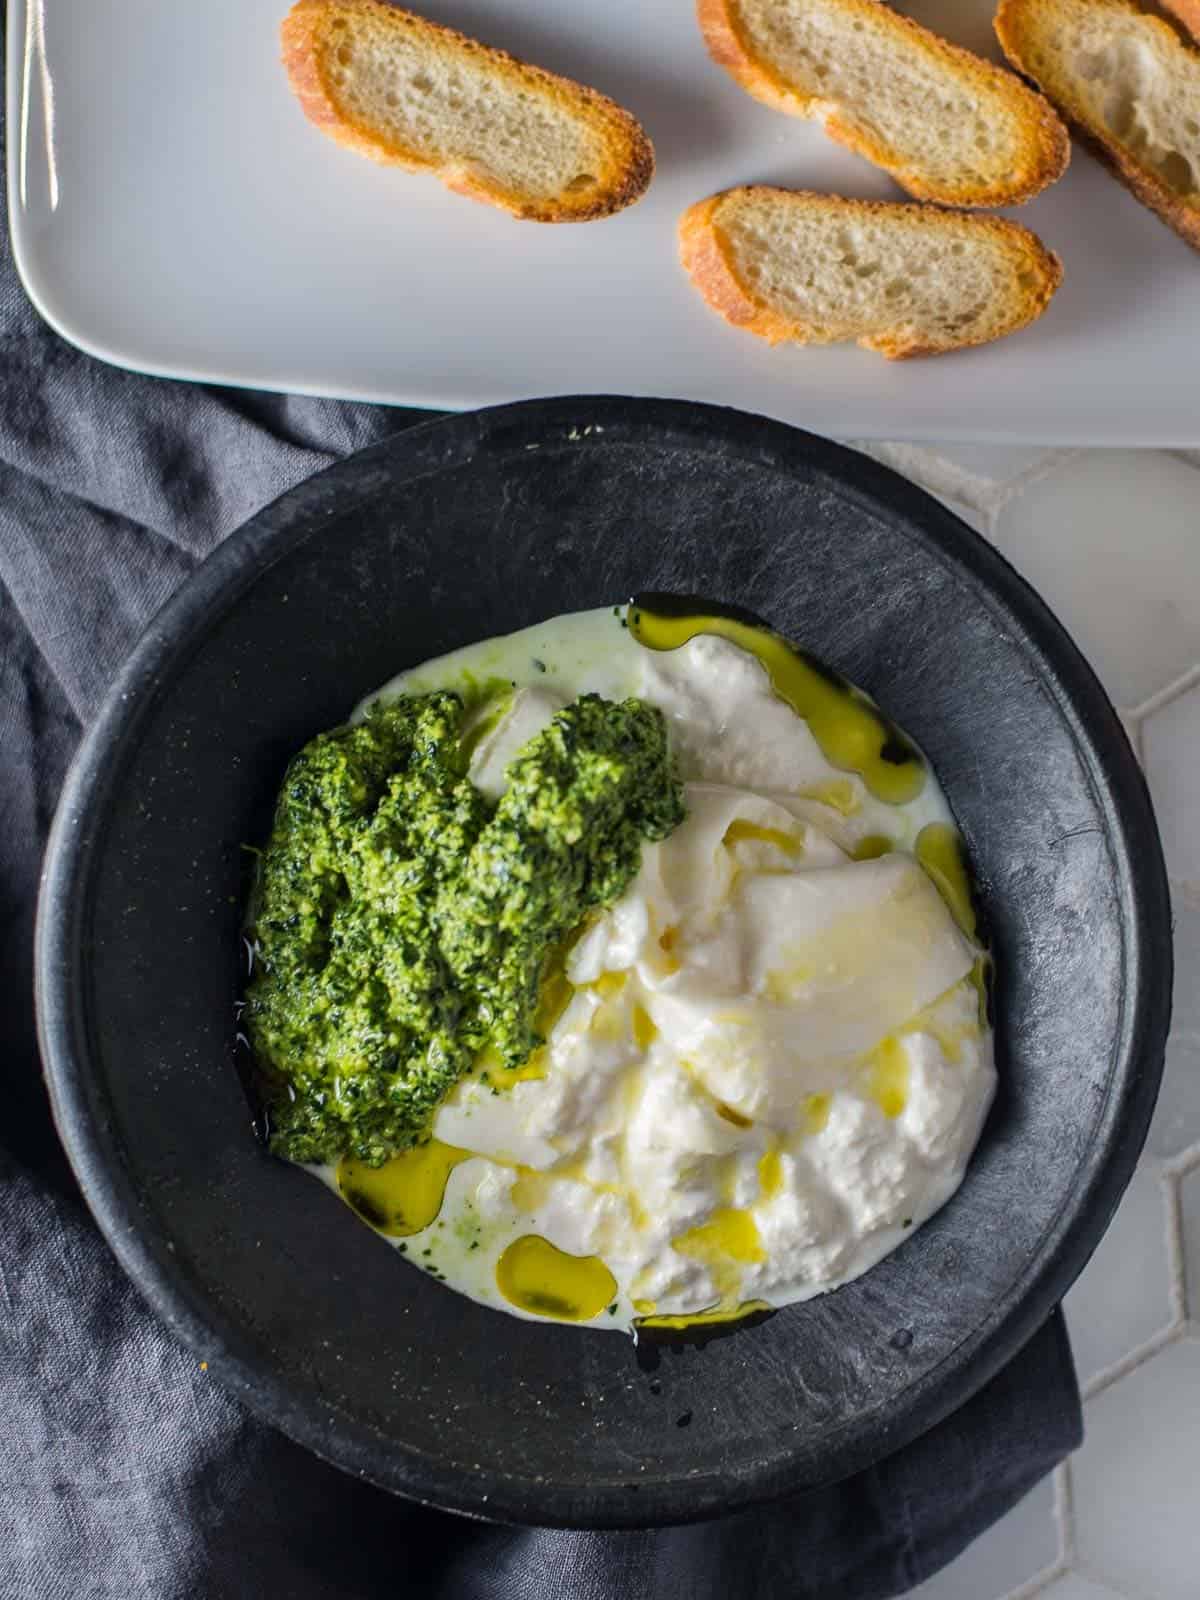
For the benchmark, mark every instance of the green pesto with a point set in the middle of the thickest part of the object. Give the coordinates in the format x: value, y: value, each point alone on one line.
x: 402, y: 922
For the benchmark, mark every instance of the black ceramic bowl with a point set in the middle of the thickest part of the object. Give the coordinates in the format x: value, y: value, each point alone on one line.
x: 476, y: 525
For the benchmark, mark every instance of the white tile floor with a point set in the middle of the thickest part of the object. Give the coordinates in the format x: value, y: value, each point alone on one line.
x: 1112, y: 541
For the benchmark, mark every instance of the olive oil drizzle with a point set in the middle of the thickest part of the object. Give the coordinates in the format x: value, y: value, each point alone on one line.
x: 405, y: 1194
x: 536, y: 1276
x: 853, y: 734
x: 939, y: 849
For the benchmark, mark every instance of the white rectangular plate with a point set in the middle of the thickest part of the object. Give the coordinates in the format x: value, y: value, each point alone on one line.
x: 173, y: 211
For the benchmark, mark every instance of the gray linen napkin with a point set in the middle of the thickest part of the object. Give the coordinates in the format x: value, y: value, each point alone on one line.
x: 125, y: 1472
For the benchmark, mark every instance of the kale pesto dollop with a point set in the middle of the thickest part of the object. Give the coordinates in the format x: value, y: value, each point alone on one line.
x: 402, y: 922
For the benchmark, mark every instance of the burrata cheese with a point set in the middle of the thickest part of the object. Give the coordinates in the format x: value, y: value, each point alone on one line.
x: 764, y: 1065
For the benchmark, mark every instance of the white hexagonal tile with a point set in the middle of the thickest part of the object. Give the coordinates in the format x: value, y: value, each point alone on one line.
x: 1124, y: 1293
x: 1171, y: 753
x: 978, y: 479
x: 1189, y: 1199
x: 934, y: 471
x: 1136, y: 1508
x: 1015, y: 1549
x: 1176, y: 1125
x: 1001, y: 466
x: 1111, y: 540
x: 1074, y: 1586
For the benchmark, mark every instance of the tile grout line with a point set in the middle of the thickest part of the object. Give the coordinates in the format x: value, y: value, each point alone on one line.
x: 1064, y: 1513
x: 1133, y: 724
x: 934, y: 473
x: 940, y: 476
x: 1115, y: 1586
x: 991, y: 522
x: 1176, y: 1258
x: 1038, y: 1584
x: 1164, y: 697
x: 1010, y: 489
x: 1169, y: 1181
x: 1064, y: 1516
x: 1104, y: 1379
x: 1185, y: 1163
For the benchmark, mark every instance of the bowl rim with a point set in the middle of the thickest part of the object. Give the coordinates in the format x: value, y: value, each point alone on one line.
x: 76, y: 843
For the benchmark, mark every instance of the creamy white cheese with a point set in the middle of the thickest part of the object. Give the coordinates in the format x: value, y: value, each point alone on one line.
x: 771, y: 1065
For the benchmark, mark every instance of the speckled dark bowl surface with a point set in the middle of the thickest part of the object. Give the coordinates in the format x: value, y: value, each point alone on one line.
x: 475, y: 525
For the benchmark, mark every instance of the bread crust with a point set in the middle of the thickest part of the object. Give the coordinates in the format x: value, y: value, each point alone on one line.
x: 1188, y: 12
x: 708, y: 263
x: 730, y: 47
x: 304, y: 36
x: 1140, y: 180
